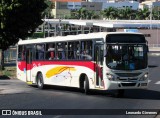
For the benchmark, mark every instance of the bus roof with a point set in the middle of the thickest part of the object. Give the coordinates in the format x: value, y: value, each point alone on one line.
x: 97, y: 35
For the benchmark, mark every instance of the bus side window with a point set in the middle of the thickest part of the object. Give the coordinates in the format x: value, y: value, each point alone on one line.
x: 21, y: 53
x: 61, y: 51
x: 89, y: 50
x: 64, y: 51
x: 77, y: 50
x: 40, y: 51
x: 24, y: 53
x: 82, y: 50
x: 50, y: 51
x: 86, y: 50
x: 71, y: 50
x: 34, y: 52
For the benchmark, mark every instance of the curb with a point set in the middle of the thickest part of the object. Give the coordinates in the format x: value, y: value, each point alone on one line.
x: 3, y: 77
x: 154, y: 54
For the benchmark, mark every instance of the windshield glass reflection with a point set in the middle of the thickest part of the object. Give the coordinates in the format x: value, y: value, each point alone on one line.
x: 126, y: 57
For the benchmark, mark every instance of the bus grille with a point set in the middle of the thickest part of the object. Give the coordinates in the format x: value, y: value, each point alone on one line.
x: 127, y: 79
x: 128, y: 84
x: 128, y: 74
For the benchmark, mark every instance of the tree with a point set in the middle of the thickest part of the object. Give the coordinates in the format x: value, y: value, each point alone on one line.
x: 18, y: 20
x: 125, y: 13
x: 48, y: 10
x: 92, y: 15
x: 110, y: 13
x: 83, y: 13
x: 74, y: 14
x: 156, y: 13
x: 143, y: 14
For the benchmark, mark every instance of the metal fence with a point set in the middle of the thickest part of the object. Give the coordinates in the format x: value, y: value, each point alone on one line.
x: 10, y: 54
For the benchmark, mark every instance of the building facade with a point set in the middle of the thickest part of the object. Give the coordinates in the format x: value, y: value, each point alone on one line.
x: 132, y: 4
x: 63, y: 8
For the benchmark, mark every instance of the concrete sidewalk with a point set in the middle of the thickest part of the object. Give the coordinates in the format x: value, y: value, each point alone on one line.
x: 154, y: 49
x: 4, y: 77
x: 14, y: 86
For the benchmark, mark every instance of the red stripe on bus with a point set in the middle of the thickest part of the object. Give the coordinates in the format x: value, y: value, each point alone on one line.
x: 22, y: 64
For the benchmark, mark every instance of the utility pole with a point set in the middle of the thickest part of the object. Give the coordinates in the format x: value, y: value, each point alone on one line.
x: 158, y: 29
x: 151, y: 16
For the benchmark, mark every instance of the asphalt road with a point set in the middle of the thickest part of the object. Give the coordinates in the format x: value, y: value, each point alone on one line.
x: 15, y: 94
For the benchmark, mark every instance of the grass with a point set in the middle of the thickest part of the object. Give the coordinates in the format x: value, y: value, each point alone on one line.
x: 9, y: 72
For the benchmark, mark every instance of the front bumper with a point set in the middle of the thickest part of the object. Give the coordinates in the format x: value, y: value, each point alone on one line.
x: 126, y: 84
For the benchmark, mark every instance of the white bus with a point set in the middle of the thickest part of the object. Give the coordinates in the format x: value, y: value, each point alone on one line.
x: 102, y: 61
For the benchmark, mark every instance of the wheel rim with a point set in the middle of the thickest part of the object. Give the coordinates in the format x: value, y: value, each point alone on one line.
x: 84, y: 85
x: 39, y: 82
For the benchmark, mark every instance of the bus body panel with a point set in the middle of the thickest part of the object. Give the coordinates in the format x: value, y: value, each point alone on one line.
x: 59, y: 73
x: 69, y: 75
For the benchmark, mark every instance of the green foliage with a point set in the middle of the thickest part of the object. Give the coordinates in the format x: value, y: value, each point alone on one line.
x: 143, y: 14
x: 115, y: 13
x: 129, y: 14
x: 18, y: 20
x: 125, y: 13
x: 110, y: 13
x: 38, y: 35
x: 156, y: 13
x: 47, y: 12
x: 8, y: 72
x: 83, y: 13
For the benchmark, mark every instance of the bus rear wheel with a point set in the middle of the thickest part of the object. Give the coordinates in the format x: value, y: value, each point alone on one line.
x: 40, y: 82
x: 86, y: 85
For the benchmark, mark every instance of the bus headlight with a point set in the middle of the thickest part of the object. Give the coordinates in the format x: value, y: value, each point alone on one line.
x: 110, y: 76
x: 144, y: 77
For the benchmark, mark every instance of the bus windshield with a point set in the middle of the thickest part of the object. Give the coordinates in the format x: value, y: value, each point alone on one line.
x: 126, y: 56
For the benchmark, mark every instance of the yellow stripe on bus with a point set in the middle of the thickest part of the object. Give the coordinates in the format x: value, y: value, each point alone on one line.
x: 29, y: 82
x: 58, y: 70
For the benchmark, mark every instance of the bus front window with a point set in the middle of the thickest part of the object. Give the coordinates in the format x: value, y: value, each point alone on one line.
x: 126, y: 57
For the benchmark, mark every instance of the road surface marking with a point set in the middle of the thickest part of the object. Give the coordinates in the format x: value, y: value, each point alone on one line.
x: 58, y: 116
x: 149, y: 80
x: 157, y: 82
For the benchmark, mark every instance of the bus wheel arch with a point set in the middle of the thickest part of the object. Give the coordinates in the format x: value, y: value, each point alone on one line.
x: 84, y: 83
x: 39, y: 80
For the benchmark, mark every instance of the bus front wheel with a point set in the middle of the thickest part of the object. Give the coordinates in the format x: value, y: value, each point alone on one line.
x: 40, y: 82
x: 86, y: 85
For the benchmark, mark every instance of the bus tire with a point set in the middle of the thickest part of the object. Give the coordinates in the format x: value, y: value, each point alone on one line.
x: 86, y: 86
x: 40, y: 82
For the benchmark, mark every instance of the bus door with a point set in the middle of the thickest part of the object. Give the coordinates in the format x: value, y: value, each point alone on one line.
x: 99, y: 65
x: 28, y: 65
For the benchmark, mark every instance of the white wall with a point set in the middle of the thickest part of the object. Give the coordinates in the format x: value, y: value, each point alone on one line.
x: 98, y: 1
x: 134, y: 5
x: 149, y: 4
x: 74, y: 5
